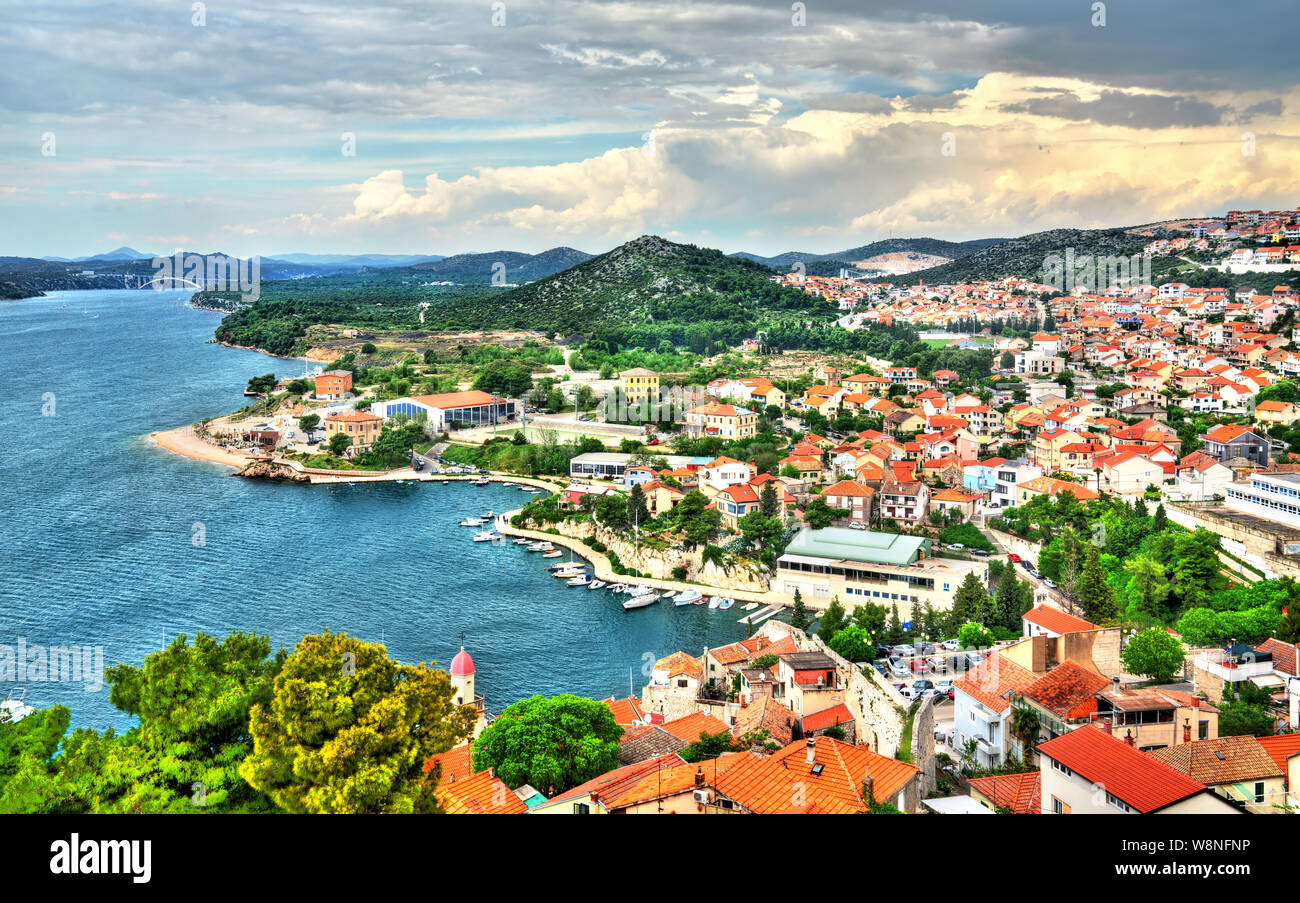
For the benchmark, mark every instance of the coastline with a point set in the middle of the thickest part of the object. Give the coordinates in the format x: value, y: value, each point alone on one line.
x: 183, y: 442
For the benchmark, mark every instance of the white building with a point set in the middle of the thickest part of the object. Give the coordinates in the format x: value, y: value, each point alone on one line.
x: 1272, y: 496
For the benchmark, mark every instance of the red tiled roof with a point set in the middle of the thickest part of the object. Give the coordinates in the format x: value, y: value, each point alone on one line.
x: 1057, y: 621
x: 626, y: 711
x: 480, y: 794
x: 1065, y: 688
x: 1284, y: 654
x: 1021, y: 793
x: 689, y: 727
x: 992, y: 679
x: 1140, y: 780
x: 837, y: 714
x: 1281, y: 747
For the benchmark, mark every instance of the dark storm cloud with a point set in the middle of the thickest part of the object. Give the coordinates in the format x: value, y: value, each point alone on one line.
x: 1140, y: 111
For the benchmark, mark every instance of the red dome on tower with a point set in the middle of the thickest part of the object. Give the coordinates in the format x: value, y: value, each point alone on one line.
x: 462, y: 664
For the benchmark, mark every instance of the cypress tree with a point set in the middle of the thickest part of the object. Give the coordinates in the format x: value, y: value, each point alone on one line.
x: 799, y: 615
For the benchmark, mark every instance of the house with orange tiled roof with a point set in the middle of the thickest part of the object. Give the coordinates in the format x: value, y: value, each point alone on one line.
x: 1062, y: 697
x: 765, y: 714
x: 1090, y: 771
x: 1237, y: 768
x: 955, y: 500
x: 664, y: 784
x: 463, y: 791
x: 627, y: 712
x: 1017, y: 793
x: 819, y: 775
x: 1048, y: 621
x: 982, y: 711
x: 361, y: 427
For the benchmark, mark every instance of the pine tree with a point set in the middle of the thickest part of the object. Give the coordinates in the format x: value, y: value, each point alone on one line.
x: 799, y: 615
x: 1288, y: 630
x: 1095, y: 594
x: 894, y: 631
x: 831, y: 620
x: 768, y: 503
x: 971, y: 598
x: 1160, y: 521
x: 1140, y: 509
x: 1004, y: 610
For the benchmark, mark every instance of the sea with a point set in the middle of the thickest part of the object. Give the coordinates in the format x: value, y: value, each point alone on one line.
x: 114, y: 545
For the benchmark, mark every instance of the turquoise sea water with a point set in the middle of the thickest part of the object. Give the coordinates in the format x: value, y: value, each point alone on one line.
x: 97, y: 528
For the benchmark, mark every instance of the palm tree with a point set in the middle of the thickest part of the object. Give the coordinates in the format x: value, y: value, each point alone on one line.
x: 1024, y: 725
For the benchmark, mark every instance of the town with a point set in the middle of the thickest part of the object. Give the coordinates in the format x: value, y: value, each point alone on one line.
x: 1014, y: 543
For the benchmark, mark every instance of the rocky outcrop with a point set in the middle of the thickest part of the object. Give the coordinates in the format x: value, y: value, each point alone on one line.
x: 745, y: 576
x: 271, y: 470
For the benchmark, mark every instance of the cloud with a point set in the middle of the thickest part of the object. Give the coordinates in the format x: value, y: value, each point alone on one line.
x: 1136, y: 110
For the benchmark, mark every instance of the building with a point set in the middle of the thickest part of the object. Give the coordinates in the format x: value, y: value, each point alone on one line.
x: 906, y: 503
x: 819, y: 775
x: 1089, y: 771
x: 1048, y: 621
x: 1237, y: 768
x: 448, y: 409
x: 333, y: 385
x: 462, y: 684
x: 639, y: 385
x: 1223, y: 443
x: 722, y: 420
x: 1271, y: 496
x: 362, y: 428
x: 612, y: 465
x: 852, y: 496
x: 862, y: 566
x: 1157, y: 718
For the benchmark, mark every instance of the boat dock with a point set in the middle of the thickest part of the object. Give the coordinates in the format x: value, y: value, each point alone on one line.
x: 758, y: 617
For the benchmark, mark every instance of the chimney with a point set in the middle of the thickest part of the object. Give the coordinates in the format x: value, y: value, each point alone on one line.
x: 1129, y: 738
x: 811, y: 757
x: 595, y: 798
x: 1187, y: 730
x: 1106, y: 726
x: 699, y: 776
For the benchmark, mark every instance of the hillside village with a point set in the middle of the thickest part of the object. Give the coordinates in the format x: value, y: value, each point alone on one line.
x: 1010, y: 542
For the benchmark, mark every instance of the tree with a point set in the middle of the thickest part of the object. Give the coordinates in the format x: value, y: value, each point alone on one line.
x: 769, y: 503
x: 638, y: 510
x: 974, y: 636
x: 894, y: 630
x: 308, y: 422
x: 552, y: 744
x: 348, y: 730
x: 1024, y: 726
x: 831, y: 620
x: 1153, y: 653
x: 799, y: 618
x: 262, y: 384
x: 709, y: 746
x: 1160, y: 520
x: 1288, y: 630
x: 1196, y: 575
x: 339, y: 443
x: 192, y: 702
x: 1096, y: 595
x: 971, y: 598
x: 853, y: 644
x: 818, y: 514
x: 1147, y: 588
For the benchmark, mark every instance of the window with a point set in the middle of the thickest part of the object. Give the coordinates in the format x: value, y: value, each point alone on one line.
x: 1116, y: 802
x: 1059, y: 808
x: 1203, y: 730
x: 1062, y: 769
x: 1259, y: 791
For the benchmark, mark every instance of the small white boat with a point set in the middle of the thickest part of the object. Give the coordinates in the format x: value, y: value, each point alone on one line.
x: 553, y: 553
x: 446, y: 482
x: 726, y: 603
x: 13, y: 710
x: 750, y: 606
x: 596, y: 584
x: 640, y: 601
x: 523, y: 541
x: 473, y: 522
x: 619, y: 588
x: 715, y: 602
x: 481, y: 481
x: 680, y: 602
x: 486, y: 536
x: 540, y: 547
x: 488, y: 516
x: 688, y: 597
x: 579, y: 580
x: 640, y: 590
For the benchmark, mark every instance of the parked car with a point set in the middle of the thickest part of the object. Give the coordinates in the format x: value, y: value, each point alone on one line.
x: 1048, y: 583
x: 951, y: 645
x: 946, y: 687
x: 956, y: 546
x: 898, y: 668
x: 1033, y: 571
x: 857, y: 525
x: 937, y: 663
x: 924, y: 648
x: 923, y: 684
x: 919, y: 666
x: 1013, y: 557
x: 973, y: 658
x: 883, y: 651
x: 654, y: 441
x: 880, y: 667
x: 905, y: 649
x: 957, y: 663
x: 982, y: 553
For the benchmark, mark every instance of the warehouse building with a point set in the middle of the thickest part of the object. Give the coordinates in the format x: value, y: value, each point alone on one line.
x: 466, y: 409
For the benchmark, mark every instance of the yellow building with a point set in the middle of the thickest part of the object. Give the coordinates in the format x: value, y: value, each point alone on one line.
x: 639, y: 384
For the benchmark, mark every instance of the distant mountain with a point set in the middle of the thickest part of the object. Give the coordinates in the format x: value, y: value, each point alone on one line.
x: 123, y: 253
x: 514, y: 267
x: 1023, y: 257
x: 932, y: 246
x: 358, y: 260
x: 647, y: 281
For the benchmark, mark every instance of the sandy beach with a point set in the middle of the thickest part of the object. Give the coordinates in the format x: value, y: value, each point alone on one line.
x: 182, y: 441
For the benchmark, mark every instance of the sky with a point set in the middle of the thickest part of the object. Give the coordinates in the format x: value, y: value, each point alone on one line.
x: 443, y: 126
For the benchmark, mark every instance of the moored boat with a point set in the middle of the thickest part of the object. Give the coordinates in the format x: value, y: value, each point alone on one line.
x: 486, y: 536
x: 640, y: 601
x: 579, y: 580
x: 688, y: 597
x: 552, y: 553
x: 596, y: 584
x: 726, y: 603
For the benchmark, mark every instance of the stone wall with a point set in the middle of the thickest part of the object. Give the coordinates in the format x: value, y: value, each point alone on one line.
x: 923, y: 747
x: 876, y: 706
